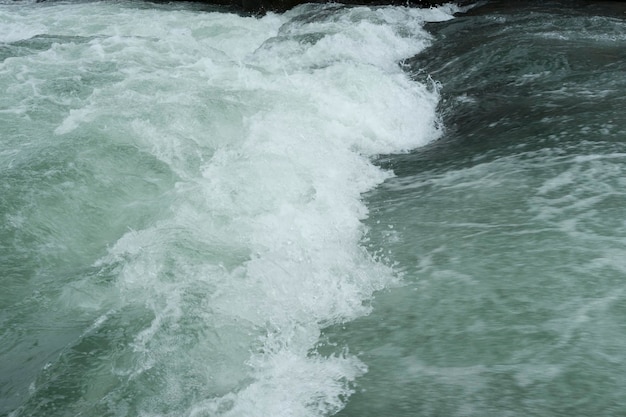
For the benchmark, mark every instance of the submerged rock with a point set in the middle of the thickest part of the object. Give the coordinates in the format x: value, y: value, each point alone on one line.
x: 262, y: 6
x: 615, y: 8
x: 281, y: 5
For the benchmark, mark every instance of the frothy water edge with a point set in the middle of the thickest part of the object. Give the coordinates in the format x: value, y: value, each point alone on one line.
x: 258, y: 135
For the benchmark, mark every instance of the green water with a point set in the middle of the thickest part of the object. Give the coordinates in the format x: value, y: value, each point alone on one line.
x: 510, y: 231
x: 335, y: 211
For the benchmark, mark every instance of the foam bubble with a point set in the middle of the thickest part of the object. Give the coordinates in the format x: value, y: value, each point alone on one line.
x: 268, y: 126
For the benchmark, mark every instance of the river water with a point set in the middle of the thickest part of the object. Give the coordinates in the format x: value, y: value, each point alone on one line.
x: 351, y: 211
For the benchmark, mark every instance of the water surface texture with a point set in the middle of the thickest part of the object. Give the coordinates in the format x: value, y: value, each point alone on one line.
x: 346, y: 211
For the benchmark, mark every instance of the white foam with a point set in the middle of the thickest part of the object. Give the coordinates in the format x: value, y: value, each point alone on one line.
x: 269, y: 125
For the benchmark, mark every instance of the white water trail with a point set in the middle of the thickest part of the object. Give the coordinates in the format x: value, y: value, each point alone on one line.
x: 269, y: 126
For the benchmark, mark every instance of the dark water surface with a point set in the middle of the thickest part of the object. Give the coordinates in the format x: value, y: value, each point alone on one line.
x: 510, y: 230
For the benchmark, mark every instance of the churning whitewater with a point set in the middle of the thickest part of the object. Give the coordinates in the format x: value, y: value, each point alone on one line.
x: 181, y: 201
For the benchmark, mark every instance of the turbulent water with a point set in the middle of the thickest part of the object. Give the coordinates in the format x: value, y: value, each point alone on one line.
x: 344, y: 211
